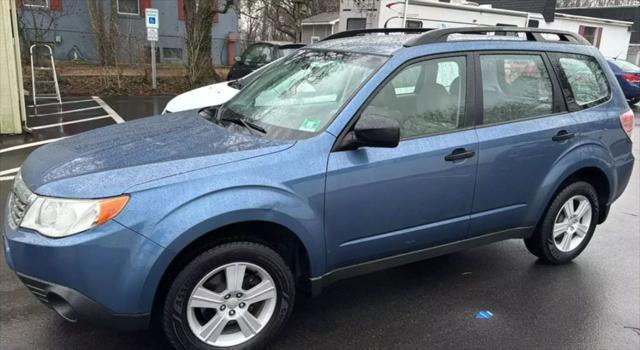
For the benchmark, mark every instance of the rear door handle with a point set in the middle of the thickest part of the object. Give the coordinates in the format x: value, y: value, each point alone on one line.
x: 459, y: 153
x: 563, y: 135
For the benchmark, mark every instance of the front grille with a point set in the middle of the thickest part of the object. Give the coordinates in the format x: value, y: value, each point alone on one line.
x: 19, y: 200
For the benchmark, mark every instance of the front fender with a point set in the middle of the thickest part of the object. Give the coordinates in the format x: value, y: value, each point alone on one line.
x: 211, y: 211
x: 589, y: 155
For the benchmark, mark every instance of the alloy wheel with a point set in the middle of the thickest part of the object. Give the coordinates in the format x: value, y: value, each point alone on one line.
x: 231, y: 304
x: 572, y: 223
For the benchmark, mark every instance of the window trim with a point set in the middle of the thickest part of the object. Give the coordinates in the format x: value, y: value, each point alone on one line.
x: 126, y: 13
x: 470, y: 97
x: 47, y: 5
x: 558, y: 103
x: 565, y: 86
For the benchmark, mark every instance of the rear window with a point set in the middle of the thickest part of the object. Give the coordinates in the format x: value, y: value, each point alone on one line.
x: 585, y: 80
x: 627, y: 67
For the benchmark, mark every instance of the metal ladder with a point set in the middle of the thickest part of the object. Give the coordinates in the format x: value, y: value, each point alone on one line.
x: 50, y: 79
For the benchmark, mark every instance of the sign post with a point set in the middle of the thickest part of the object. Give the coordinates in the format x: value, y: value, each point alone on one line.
x: 152, y: 23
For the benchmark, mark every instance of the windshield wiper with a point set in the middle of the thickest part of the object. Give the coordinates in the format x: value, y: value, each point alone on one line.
x: 247, y: 124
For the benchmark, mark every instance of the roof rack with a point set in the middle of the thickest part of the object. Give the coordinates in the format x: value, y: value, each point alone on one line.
x: 356, y: 32
x: 532, y: 34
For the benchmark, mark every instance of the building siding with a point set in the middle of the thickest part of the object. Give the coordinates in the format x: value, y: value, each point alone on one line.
x: 72, y: 28
x: 320, y: 30
x: 627, y: 13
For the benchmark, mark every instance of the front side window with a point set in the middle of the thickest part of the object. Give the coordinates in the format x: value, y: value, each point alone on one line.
x: 584, y: 77
x: 425, y: 98
x: 300, y: 96
x: 258, y: 54
x: 515, y: 87
x: 128, y: 7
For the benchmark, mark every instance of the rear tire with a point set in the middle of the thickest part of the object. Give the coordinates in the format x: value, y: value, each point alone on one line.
x: 234, y: 296
x: 567, y: 226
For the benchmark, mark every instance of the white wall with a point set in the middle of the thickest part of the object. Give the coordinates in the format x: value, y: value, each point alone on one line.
x: 449, y: 16
x: 614, y: 41
x: 615, y: 37
x: 357, y: 11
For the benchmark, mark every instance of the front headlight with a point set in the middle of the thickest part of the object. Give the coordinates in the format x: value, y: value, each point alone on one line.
x: 57, y: 218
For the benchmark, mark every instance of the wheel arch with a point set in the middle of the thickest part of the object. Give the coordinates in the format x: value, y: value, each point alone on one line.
x: 593, y: 174
x: 272, y: 234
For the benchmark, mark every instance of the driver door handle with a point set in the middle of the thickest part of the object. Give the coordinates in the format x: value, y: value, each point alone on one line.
x: 562, y: 135
x: 458, y: 154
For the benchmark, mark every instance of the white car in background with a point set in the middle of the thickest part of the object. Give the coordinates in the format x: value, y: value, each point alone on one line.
x: 212, y: 95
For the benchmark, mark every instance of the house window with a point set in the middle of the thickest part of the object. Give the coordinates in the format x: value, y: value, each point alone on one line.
x: 356, y: 23
x: 315, y: 39
x: 171, y: 53
x: 592, y: 34
x: 533, y: 23
x: 36, y: 3
x: 413, y: 24
x: 128, y: 7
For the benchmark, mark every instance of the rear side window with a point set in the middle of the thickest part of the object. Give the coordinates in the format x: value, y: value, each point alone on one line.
x: 584, y: 79
x: 515, y: 87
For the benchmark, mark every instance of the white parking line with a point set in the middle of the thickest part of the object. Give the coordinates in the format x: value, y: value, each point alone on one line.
x: 69, y: 122
x: 65, y: 112
x: 108, y: 109
x: 28, y: 145
x: 64, y: 102
x: 9, y: 171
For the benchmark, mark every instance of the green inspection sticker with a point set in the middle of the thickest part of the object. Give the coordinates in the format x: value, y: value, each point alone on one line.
x: 310, y: 125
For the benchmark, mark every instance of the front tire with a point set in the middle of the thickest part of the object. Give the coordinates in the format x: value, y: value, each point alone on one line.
x: 234, y: 296
x: 567, y: 226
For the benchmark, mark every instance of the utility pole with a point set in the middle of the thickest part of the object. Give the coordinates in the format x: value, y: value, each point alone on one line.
x: 404, y: 15
x: 153, y: 25
x: 297, y: 12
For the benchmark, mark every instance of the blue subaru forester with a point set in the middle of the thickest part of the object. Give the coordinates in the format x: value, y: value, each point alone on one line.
x: 359, y: 153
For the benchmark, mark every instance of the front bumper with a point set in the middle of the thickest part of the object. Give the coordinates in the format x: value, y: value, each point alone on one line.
x: 100, y: 276
x: 73, y: 306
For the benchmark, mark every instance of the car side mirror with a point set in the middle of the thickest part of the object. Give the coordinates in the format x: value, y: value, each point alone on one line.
x: 238, y: 59
x: 372, y: 131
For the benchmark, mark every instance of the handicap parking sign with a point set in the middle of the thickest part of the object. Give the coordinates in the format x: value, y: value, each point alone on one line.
x: 152, y: 18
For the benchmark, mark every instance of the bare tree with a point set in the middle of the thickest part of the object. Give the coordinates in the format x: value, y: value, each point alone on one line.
x: 36, y: 24
x: 105, y: 30
x: 281, y: 19
x: 198, y: 22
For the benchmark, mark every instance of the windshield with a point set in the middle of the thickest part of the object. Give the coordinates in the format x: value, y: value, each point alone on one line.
x: 627, y: 66
x: 299, y: 97
x: 244, y: 81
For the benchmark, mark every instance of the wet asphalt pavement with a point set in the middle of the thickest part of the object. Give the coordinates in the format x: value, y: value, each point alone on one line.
x: 592, y: 303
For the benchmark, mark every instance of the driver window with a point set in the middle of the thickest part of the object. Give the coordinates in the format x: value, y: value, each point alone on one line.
x: 425, y: 98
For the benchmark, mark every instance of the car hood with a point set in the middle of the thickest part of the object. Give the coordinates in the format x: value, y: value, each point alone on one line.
x: 210, y: 95
x: 107, y: 161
